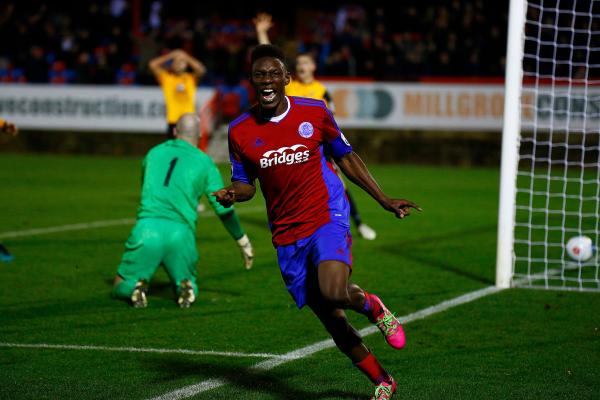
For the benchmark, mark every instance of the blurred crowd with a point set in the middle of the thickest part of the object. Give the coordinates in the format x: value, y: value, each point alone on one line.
x: 111, y: 41
x: 563, y: 41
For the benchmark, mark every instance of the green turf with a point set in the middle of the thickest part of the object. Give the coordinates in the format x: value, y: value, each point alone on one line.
x: 516, y: 344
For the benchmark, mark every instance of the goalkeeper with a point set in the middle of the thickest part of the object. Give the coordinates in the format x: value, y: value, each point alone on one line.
x: 175, y: 174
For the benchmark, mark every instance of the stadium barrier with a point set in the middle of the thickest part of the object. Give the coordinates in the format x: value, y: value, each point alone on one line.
x: 87, y: 107
x: 432, y: 123
x: 361, y: 105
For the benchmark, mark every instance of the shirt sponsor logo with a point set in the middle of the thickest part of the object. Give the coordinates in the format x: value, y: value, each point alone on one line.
x: 306, y: 130
x: 296, y: 154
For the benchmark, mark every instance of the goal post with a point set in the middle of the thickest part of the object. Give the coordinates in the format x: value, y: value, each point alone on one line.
x: 511, y: 129
x: 550, y: 168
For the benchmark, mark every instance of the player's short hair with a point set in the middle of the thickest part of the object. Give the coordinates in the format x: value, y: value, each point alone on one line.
x: 306, y: 54
x: 267, y: 50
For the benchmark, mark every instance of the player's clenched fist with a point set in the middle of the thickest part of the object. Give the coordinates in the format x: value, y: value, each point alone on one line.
x: 225, y: 196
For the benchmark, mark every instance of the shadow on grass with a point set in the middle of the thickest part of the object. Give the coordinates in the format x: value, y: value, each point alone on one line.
x: 420, y: 251
x: 165, y: 289
x: 162, y: 289
x: 245, y: 379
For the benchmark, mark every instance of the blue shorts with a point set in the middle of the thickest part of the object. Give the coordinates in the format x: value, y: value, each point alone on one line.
x: 298, y: 261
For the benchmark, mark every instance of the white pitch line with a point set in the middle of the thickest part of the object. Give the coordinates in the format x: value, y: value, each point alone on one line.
x: 99, y: 224
x: 66, y: 228
x: 141, y: 350
x: 209, y: 384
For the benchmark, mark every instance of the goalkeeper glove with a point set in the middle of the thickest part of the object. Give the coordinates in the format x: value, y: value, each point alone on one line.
x: 246, y: 250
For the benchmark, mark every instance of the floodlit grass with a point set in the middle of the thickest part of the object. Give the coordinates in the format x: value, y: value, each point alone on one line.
x: 515, y: 344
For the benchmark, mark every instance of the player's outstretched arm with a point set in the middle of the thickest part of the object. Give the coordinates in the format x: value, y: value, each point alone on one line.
x: 262, y: 23
x: 355, y: 169
x: 237, y: 192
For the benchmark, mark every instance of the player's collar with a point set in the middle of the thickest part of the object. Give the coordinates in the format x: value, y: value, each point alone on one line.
x: 181, y: 142
x: 281, y: 116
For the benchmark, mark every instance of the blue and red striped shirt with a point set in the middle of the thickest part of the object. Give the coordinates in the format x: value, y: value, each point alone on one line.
x: 288, y: 154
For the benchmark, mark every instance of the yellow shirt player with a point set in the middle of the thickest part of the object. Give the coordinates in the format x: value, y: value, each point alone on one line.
x: 178, y: 85
x: 8, y: 128
x: 304, y: 83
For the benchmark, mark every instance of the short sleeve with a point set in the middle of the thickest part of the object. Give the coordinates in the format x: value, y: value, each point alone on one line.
x: 336, y: 144
x: 192, y: 78
x: 240, y: 171
x: 162, y: 77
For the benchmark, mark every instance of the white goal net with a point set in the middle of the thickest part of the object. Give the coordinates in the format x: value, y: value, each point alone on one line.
x: 557, y: 194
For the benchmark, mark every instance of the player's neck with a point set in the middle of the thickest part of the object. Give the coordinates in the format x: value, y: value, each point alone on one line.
x: 268, y: 113
x: 308, y: 80
x: 193, y: 142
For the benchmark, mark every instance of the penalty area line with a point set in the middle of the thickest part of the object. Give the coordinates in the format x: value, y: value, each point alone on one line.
x: 235, y: 354
x: 303, y: 352
x: 100, y: 224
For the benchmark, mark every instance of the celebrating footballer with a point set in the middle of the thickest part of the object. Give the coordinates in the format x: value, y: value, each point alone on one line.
x: 285, y: 142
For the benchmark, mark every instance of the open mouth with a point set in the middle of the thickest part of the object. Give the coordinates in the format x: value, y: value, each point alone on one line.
x: 267, y: 95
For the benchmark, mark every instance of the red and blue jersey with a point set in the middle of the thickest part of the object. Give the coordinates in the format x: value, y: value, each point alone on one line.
x: 288, y: 154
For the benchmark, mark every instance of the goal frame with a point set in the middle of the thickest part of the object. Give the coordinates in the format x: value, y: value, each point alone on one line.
x: 511, y: 129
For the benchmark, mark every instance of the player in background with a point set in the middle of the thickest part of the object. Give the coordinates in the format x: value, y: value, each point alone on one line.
x: 9, y: 129
x: 175, y: 174
x: 306, y: 85
x: 178, y: 85
x: 284, y: 142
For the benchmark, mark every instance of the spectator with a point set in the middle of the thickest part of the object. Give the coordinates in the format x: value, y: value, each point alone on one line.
x: 36, y: 67
x: 401, y: 42
x: 178, y: 85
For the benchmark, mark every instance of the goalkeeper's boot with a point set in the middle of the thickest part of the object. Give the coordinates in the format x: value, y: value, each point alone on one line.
x: 138, y: 296
x: 384, y: 390
x: 246, y: 250
x: 186, y: 294
x: 389, y: 325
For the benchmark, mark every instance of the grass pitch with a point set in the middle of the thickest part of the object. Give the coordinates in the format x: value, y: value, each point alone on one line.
x: 514, y: 344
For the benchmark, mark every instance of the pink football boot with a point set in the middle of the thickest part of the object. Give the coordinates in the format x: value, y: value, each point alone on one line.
x: 384, y: 390
x: 389, y: 325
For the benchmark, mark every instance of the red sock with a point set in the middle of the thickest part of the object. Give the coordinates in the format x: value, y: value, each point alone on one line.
x: 373, y: 370
x: 371, y: 308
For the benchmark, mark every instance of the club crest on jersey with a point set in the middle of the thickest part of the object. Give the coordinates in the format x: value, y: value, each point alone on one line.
x: 306, y: 130
x: 296, y: 154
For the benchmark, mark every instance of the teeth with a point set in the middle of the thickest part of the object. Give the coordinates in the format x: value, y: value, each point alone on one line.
x: 268, y: 94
